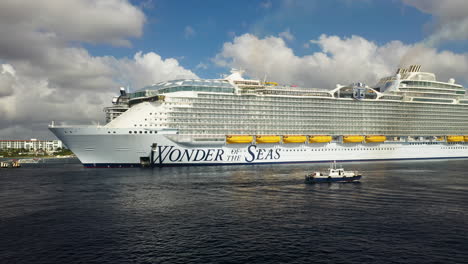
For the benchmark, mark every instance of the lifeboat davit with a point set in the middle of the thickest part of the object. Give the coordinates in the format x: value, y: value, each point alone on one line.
x: 455, y: 138
x: 239, y: 139
x: 375, y: 139
x: 353, y: 139
x: 294, y: 139
x: 320, y: 139
x: 268, y: 139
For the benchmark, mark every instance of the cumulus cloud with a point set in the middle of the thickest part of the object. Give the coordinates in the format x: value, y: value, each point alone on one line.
x: 7, y: 80
x: 46, y: 76
x: 451, y: 19
x: 107, y: 21
x: 145, y: 69
x: 340, y: 60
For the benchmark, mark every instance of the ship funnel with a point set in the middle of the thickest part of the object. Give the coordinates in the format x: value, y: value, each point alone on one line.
x: 122, y: 91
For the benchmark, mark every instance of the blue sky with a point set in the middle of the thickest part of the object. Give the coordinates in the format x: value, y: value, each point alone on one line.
x: 215, y: 22
x: 65, y: 60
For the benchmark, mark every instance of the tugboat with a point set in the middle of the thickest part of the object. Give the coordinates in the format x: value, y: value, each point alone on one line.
x: 334, y: 175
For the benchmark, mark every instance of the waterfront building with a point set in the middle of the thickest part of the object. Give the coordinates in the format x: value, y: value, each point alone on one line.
x: 31, y: 145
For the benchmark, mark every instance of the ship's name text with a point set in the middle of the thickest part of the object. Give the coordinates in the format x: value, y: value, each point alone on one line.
x: 170, y: 153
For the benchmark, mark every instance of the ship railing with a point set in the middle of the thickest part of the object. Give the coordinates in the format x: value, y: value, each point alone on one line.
x: 53, y: 125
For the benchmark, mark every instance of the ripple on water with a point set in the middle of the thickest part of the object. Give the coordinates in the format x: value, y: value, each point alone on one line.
x: 403, y: 212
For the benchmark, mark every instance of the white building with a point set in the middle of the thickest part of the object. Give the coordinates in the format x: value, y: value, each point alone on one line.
x: 31, y: 145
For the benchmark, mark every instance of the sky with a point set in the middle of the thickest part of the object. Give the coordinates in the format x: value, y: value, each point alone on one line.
x: 64, y: 60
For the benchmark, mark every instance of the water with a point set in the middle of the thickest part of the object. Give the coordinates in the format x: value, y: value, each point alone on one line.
x: 401, y: 212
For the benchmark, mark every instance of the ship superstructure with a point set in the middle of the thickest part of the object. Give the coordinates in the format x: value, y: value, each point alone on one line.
x: 234, y: 120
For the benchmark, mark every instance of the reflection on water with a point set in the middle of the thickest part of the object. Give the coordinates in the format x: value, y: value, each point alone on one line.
x: 408, y: 212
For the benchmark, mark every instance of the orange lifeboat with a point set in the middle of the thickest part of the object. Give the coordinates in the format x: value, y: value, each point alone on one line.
x: 268, y: 139
x: 466, y: 138
x: 320, y: 139
x: 353, y: 139
x: 375, y: 139
x: 455, y: 138
x: 294, y: 139
x: 239, y: 139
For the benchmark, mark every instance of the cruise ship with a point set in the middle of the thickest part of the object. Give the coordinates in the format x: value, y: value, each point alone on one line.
x: 232, y: 120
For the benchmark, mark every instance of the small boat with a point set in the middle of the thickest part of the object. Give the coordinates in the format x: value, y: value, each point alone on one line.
x: 239, y: 139
x: 334, y: 175
x: 353, y: 139
x: 267, y: 139
x: 34, y: 160
x: 10, y: 164
x: 294, y: 139
x: 455, y: 138
x: 320, y: 139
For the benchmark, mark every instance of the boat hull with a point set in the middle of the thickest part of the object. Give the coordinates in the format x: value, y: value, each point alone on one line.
x: 96, y: 147
x: 332, y: 179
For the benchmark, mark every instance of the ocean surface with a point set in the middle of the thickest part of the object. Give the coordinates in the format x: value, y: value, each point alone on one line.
x: 400, y: 212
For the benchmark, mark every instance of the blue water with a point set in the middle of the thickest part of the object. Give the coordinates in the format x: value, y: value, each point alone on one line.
x: 401, y: 212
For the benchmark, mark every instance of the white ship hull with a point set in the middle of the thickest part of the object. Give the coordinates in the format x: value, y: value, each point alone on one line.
x: 96, y: 147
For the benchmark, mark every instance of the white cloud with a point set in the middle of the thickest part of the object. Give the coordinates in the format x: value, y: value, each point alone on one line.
x: 286, y: 35
x: 189, y: 32
x: 202, y: 66
x: 45, y: 76
x: 149, y: 68
x: 7, y: 80
x: 451, y: 19
x: 341, y: 60
x: 106, y: 21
